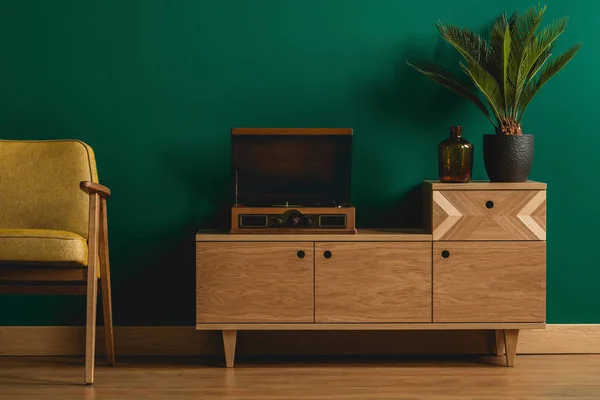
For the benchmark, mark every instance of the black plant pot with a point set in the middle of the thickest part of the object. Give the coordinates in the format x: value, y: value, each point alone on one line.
x: 508, y: 158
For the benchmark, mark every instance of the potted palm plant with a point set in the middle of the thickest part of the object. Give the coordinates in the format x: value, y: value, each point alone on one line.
x: 508, y: 71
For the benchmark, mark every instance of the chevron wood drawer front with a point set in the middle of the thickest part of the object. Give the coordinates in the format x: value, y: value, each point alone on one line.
x: 488, y: 214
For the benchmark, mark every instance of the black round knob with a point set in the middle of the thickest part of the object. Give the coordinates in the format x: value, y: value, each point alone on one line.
x: 276, y: 221
x: 307, y: 221
x: 295, y: 221
x: 445, y: 254
x: 327, y: 254
x: 489, y: 204
x: 300, y: 254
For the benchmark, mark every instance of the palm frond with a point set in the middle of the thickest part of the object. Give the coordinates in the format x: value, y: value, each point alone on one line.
x: 528, y: 92
x: 513, y: 20
x: 468, y: 43
x: 545, y: 56
x: 538, y: 46
x: 551, y: 69
x: 522, y: 33
x: 500, y: 42
x: 485, y: 82
x: 444, y: 77
x: 527, y: 23
x: 509, y: 70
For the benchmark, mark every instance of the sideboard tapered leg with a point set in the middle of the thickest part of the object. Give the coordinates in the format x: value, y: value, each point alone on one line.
x: 511, y: 337
x: 499, y: 342
x: 229, y: 339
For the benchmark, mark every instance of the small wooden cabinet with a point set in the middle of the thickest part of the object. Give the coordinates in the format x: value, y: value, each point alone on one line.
x: 480, y: 263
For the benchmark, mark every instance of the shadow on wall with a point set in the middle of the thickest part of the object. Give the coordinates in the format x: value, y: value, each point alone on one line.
x: 411, y: 98
x: 413, y: 106
x: 161, y: 262
x: 158, y: 283
x: 405, y: 213
x: 419, y: 99
x: 206, y: 180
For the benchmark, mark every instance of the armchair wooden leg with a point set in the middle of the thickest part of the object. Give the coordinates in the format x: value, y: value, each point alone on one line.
x: 92, y: 287
x: 105, y: 285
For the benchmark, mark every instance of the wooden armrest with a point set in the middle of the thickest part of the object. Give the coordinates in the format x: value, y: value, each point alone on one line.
x: 93, y: 187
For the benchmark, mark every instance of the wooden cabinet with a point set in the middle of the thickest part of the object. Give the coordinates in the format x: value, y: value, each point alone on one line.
x: 489, y: 255
x: 372, y: 282
x: 480, y: 263
x: 489, y: 281
x: 254, y: 282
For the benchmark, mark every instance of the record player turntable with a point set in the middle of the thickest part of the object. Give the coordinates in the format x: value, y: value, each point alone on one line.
x: 292, y: 180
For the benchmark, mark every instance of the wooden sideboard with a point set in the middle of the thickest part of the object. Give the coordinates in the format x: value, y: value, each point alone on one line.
x: 480, y: 263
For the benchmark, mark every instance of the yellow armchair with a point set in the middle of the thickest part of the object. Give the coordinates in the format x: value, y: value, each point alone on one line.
x: 53, y: 229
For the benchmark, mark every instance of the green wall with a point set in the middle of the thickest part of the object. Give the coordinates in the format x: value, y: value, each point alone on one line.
x: 155, y: 87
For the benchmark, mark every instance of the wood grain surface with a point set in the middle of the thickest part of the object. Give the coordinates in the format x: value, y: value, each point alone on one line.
x: 489, y: 282
x: 92, y: 287
x: 489, y: 215
x: 499, y: 342
x: 372, y: 378
x: 362, y: 235
x: 485, y: 185
x: 229, y: 342
x: 254, y: 282
x: 93, y: 187
x: 44, y: 274
x: 511, y: 338
x: 105, y: 284
x: 373, y: 282
x: 372, y: 326
x: 186, y: 340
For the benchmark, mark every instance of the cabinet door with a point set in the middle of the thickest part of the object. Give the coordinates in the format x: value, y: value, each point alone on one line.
x: 373, y: 282
x: 489, y: 281
x: 254, y: 282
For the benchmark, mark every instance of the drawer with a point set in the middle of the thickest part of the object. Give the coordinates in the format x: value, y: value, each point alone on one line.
x: 488, y: 214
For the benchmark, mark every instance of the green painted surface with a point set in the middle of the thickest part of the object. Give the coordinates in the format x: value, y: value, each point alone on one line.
x: 155, y: 86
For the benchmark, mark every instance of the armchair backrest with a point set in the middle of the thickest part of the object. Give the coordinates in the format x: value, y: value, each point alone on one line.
x: 39, y: 184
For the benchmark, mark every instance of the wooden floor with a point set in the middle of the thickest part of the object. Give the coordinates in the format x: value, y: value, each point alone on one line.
x: 534, y: 377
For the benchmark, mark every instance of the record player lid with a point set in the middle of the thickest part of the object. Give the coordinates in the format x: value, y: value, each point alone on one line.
x: 304, y: 169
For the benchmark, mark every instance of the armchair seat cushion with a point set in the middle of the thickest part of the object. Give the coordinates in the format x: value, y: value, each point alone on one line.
x: 33, y: 246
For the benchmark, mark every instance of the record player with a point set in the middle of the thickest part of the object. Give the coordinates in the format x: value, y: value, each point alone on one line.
x: 292, y: 180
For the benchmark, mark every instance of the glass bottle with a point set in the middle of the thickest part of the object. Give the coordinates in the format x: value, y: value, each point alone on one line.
x: 455, y: 157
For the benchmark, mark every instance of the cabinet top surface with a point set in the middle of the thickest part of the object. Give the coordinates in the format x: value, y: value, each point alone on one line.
x: 486, y: 185
x: 363, y: 235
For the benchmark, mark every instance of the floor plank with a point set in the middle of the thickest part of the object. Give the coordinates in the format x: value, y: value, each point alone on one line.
x: 535, y: 377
